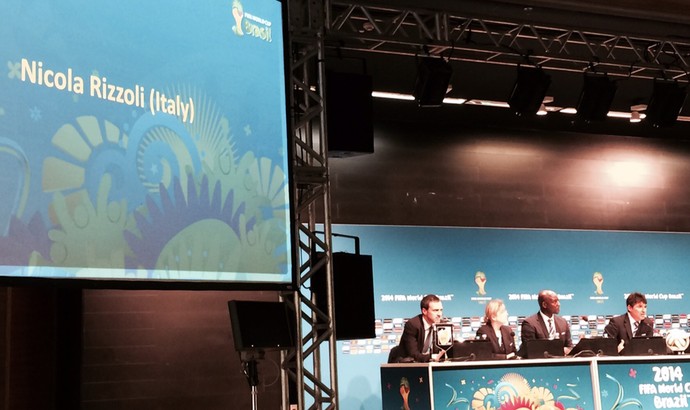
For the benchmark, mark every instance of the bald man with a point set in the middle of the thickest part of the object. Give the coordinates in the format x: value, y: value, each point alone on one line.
x: 546, y: 324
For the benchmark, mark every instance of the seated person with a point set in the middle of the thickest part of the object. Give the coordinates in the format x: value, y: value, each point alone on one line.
x: 546, y: 324
x: 417, y: 338
x: 496, y: 330
x: 630, y: 324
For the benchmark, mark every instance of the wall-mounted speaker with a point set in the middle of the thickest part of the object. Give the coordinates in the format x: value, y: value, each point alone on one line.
x: 529, y: 90
x: 349, y: 114
x: 596, y: 97
x: 433, y: 77
x: 665, y: 103
x: 261, y: 325
x: 353, y: 295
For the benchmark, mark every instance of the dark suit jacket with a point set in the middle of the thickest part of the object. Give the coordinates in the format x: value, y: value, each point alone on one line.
x: 508, y: 345
x: 412, y: 339
x: 619, y: 327
x: 533, y: 327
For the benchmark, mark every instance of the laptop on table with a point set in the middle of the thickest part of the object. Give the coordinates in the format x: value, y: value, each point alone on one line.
x: 472, y: 350
x: 645, y: 345
x: 595, y: 346
x: 543, y: 348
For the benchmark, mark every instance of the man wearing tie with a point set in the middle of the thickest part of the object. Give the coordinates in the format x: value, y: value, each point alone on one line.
x: 631, y: 324
x: 546, y: 324
x: 417, y: 337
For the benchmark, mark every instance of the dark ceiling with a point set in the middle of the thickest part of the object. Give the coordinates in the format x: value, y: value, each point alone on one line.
x: 391, y: 58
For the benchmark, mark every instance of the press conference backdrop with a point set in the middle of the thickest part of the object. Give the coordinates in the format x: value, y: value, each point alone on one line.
x: 144, y: 141
x: 592, y: 271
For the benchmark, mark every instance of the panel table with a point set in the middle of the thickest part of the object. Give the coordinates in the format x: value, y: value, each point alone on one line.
x: 609, y: 383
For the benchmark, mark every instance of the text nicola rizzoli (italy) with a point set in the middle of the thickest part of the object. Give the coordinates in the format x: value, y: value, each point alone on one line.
x: 99, y: 87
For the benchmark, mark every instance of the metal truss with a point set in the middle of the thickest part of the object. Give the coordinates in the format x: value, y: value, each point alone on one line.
x: 309, y: 373
x: 459, y: 36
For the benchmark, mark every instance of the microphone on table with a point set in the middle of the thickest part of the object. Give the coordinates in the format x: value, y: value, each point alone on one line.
x: 548, y: 355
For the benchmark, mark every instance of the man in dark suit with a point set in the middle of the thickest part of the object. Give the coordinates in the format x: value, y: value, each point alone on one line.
x: 416, y: 341
x: 546, y: 324
x: 633, y: 323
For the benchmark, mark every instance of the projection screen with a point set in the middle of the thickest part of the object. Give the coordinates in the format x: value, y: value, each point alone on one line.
x: 145, y: 143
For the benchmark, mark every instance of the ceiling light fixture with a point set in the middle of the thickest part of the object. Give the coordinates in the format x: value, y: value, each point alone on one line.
x: 501, y: 104
x: 392, y: 96
x: 488, y: 103
x: 455, y: 101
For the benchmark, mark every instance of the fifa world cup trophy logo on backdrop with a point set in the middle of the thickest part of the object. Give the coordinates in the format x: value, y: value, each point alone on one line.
x: 237, y: 14
x: 598, y: 280
x: 480, y: 280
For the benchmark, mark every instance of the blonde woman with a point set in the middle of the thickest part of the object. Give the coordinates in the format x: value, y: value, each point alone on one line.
x: 496, y: 330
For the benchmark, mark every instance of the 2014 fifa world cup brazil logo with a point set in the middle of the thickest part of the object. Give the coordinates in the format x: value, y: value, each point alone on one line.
x: 249, y: 25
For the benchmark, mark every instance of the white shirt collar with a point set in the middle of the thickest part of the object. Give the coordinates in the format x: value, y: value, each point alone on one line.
x: 426, y: 325
x: 546, y: 318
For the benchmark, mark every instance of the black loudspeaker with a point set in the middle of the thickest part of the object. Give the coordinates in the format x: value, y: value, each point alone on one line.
x: 433, y: 77
x: 349, y: 112
x: 353, y: 295
x: 596, y: 97
x: 665, y: 103
x: 261, y: 325
x: 529, y: 90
